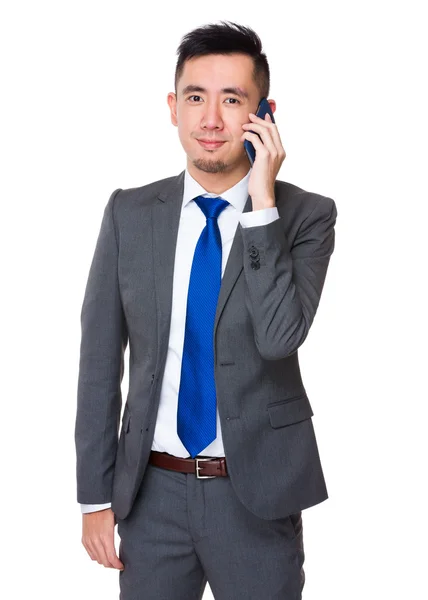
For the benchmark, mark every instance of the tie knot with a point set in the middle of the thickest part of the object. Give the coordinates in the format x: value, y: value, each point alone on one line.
x: 211, y: 207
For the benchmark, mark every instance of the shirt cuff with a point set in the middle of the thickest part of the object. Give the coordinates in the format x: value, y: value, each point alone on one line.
x: 87, y: 508
x: 264, y: 216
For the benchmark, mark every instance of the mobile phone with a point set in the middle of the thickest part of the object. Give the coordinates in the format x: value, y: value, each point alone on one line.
x: 262, y: 109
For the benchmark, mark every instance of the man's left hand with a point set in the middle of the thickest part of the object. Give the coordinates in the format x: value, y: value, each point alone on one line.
x: 270, y: 155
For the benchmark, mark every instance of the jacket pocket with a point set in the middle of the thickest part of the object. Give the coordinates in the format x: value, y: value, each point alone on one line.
x: 289, y: 411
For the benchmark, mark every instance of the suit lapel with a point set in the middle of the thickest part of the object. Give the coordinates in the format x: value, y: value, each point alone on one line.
x: 165, y: 221
x: 233, y: 267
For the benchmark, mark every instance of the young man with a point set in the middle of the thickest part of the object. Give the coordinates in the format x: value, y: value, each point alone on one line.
x: 214, y: 277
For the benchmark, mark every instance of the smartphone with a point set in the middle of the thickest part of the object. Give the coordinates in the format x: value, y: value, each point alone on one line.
x: 262, y: 109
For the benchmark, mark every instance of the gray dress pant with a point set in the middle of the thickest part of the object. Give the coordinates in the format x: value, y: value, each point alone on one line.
x: 183, y: 531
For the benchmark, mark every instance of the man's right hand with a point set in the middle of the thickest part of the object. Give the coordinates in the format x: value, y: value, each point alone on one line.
x: 98, y: 538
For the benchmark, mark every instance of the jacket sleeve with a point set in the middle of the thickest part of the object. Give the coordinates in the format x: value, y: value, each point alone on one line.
x: 285, y: 284
x: 104, y: 338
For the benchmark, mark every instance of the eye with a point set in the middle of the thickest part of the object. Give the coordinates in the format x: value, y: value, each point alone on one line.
x: 195, y: 96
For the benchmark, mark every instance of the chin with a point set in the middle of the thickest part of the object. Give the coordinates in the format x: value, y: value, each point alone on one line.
x: 210, y: 165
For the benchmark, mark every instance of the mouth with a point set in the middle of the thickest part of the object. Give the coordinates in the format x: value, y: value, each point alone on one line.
x: 210, y: 145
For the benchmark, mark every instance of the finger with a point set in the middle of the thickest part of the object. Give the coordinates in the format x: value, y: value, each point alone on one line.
x: 89, y: 549
x: 260, y: 147
x: 265, y: 132
x: 266, y: 143
x: 273, y: 130
x: 255, y: 140
x: 113, y: 558
x: 101, y: 553
x: 267, y: 119
x: 275, y: 134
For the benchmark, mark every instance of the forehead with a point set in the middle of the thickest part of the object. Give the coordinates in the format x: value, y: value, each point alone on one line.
x: 216, y: 71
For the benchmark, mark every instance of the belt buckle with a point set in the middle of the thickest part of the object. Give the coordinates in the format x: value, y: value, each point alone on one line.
x: 198, y: 467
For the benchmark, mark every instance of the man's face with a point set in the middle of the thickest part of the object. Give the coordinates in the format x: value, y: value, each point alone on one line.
x: 207, y: 112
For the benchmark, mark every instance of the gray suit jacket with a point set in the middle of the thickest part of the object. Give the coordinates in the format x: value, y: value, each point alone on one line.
x: 269, y: 295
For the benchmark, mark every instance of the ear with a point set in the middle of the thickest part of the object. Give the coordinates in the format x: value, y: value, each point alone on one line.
x: 272, y: 104
x: 172, y: 103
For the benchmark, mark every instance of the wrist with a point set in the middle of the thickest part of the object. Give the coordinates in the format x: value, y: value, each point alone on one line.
x: 265, y: 204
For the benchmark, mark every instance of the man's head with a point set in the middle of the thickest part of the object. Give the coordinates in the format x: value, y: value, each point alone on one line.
x: 221, y: 75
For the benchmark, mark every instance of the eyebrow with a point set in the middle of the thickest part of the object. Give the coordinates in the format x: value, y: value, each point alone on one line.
x: 237, y: 91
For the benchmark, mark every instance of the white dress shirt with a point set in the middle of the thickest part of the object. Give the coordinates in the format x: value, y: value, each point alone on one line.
x: 192, y: 222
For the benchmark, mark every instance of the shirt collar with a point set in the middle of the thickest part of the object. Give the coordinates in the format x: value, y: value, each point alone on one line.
x: 236, y: 196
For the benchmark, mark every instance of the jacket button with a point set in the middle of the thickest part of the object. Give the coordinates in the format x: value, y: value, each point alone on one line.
x: 253, y: 251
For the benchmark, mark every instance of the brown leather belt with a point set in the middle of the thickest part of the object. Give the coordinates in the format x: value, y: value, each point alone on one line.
x: 202, y: 467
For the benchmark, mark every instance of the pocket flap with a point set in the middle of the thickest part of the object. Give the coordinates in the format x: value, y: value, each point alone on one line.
x: 289, y: 411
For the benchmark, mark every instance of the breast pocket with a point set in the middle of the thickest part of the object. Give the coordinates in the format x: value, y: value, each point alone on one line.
x: 289, y: 411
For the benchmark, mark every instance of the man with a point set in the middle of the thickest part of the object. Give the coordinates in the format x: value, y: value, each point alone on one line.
x: 214, y: 277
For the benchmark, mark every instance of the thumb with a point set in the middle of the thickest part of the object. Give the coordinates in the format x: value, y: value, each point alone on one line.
x: 115, y: 560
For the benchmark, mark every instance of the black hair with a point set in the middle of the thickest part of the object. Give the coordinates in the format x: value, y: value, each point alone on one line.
x: 225, y: 38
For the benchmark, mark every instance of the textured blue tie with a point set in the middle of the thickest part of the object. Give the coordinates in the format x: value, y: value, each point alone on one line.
x: 196, y: 414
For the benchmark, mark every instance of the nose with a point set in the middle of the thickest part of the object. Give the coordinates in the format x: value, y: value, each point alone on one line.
x: 212, y: 118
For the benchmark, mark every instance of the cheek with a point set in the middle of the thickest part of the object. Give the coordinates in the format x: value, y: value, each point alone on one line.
x: 184, y: 132
x: 187, y: 129
x: 236, y: 135
x: 236, y: 130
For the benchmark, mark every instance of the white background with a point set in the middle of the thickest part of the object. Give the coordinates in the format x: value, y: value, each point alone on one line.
x: 84, y: 111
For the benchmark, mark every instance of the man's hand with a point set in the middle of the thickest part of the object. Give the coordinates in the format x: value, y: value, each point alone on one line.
x: 98, y: 538
x: 269, y: 157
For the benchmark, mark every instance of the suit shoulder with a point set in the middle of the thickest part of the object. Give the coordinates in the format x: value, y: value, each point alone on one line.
x: 144, y: 193
x: 293, y: 197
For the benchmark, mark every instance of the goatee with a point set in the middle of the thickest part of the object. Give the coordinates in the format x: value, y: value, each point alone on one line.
x: 210, y: 166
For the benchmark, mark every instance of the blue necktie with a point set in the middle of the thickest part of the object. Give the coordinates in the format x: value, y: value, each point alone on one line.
x: 196, y: 414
